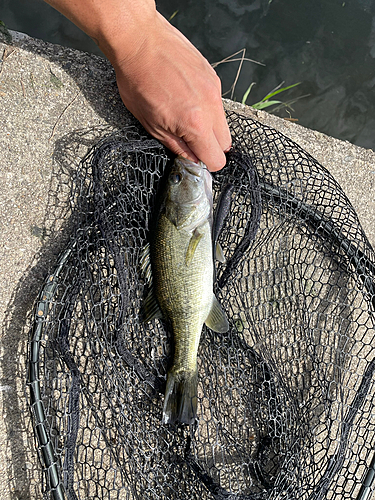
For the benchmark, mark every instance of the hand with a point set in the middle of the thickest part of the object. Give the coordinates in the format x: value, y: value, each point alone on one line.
x: 175, y: 93
x: 162, y: 78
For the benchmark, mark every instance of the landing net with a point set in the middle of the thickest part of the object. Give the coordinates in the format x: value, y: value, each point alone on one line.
x: 285, y: 398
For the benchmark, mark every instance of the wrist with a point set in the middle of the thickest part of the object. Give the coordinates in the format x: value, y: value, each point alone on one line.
x: 122, y: 35
x: 117, y: 26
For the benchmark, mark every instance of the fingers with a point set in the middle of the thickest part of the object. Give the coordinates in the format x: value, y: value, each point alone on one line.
x: 205, y: 148
x: 209, y: 140
x: 222, y: 133
x: 178, y: 146
x: 208, y: 150
x: 200, y: 139
x: 207, y: 133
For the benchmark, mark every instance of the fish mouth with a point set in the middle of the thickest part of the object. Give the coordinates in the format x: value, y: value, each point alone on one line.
x: 199, y: 173
x: 193, y: 168
x: 195, y: 200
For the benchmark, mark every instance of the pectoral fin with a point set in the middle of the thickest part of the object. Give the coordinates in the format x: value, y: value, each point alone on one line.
x: 219, y: 254
x: 193, y: 243
x: 150, y: 308
x: 217, y: 319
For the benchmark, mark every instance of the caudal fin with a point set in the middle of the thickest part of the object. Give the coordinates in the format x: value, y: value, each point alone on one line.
x: 180, y: 402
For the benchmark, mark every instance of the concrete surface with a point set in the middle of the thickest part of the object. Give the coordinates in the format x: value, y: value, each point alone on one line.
x: 54, y: 103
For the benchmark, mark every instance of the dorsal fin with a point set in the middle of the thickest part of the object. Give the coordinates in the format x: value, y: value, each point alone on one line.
x: 150, y: 308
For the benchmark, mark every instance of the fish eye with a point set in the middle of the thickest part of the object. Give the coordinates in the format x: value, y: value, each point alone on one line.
x: 175, y: 178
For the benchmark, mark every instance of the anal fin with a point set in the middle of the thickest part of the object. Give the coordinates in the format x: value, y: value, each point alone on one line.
x: 219, y: 254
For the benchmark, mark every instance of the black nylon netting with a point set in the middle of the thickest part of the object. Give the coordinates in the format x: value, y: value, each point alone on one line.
x: 285, y: 398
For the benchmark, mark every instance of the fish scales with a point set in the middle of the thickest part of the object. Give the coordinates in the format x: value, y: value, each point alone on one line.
x: 182, y: 281
x: 184, y: 292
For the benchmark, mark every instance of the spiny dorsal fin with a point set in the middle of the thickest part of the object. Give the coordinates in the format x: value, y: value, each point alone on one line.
x: 217, y: 319
x: 150, y: 308
x: 145, y: 263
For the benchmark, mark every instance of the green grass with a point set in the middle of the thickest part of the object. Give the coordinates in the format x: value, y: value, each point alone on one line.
x: 267, y: 100
x: 56, y: 82
x: 173, y: 15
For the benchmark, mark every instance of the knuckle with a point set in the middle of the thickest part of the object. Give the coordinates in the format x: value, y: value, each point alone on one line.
x: 196, y: 121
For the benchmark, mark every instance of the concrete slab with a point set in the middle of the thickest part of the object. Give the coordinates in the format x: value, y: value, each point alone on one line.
x: 54, y: 103
x: 352, y: 167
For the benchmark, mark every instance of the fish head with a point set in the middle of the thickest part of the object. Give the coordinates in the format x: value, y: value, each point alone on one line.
x: 189, y: 194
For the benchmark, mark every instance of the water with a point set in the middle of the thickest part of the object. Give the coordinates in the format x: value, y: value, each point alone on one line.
x: 327, y: 45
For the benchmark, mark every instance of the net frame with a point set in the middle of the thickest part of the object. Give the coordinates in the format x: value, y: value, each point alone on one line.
x: 298, y: 352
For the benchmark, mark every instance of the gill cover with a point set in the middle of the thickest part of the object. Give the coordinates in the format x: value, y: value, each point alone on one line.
x: 188, y: 202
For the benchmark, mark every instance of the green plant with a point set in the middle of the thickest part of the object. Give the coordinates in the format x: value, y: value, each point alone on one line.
x: 267, y: 101
x: 173, y: 15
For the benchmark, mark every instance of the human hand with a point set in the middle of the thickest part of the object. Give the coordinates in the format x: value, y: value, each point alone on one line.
x: 174, y: 92
x: 162, y: 78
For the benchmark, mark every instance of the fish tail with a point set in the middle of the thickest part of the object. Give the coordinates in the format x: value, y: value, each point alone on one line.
x: 180, y: 402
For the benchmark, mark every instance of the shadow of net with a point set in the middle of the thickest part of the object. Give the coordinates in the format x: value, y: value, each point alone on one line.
x: 285, y: 398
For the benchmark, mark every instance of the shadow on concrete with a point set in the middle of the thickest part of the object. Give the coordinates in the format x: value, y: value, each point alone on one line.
x: 94, y: 76
x: 25, y: 476
x: 96, y: 80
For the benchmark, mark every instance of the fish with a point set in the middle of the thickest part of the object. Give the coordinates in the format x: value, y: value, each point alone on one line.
x: 180, y: 263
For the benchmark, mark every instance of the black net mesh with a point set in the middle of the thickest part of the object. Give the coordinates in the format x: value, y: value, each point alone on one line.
x: 285, y: 398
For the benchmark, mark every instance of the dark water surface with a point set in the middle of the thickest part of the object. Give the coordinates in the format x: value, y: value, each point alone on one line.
x: 327, y: 45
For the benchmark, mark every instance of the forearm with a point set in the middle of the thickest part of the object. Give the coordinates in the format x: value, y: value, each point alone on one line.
x: 112, y: 24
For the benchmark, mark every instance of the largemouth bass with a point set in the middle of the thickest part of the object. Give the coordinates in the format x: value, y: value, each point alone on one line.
x: 182, y: 267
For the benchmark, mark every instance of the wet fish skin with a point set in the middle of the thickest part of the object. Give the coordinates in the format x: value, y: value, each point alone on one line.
x: 182, y: 271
